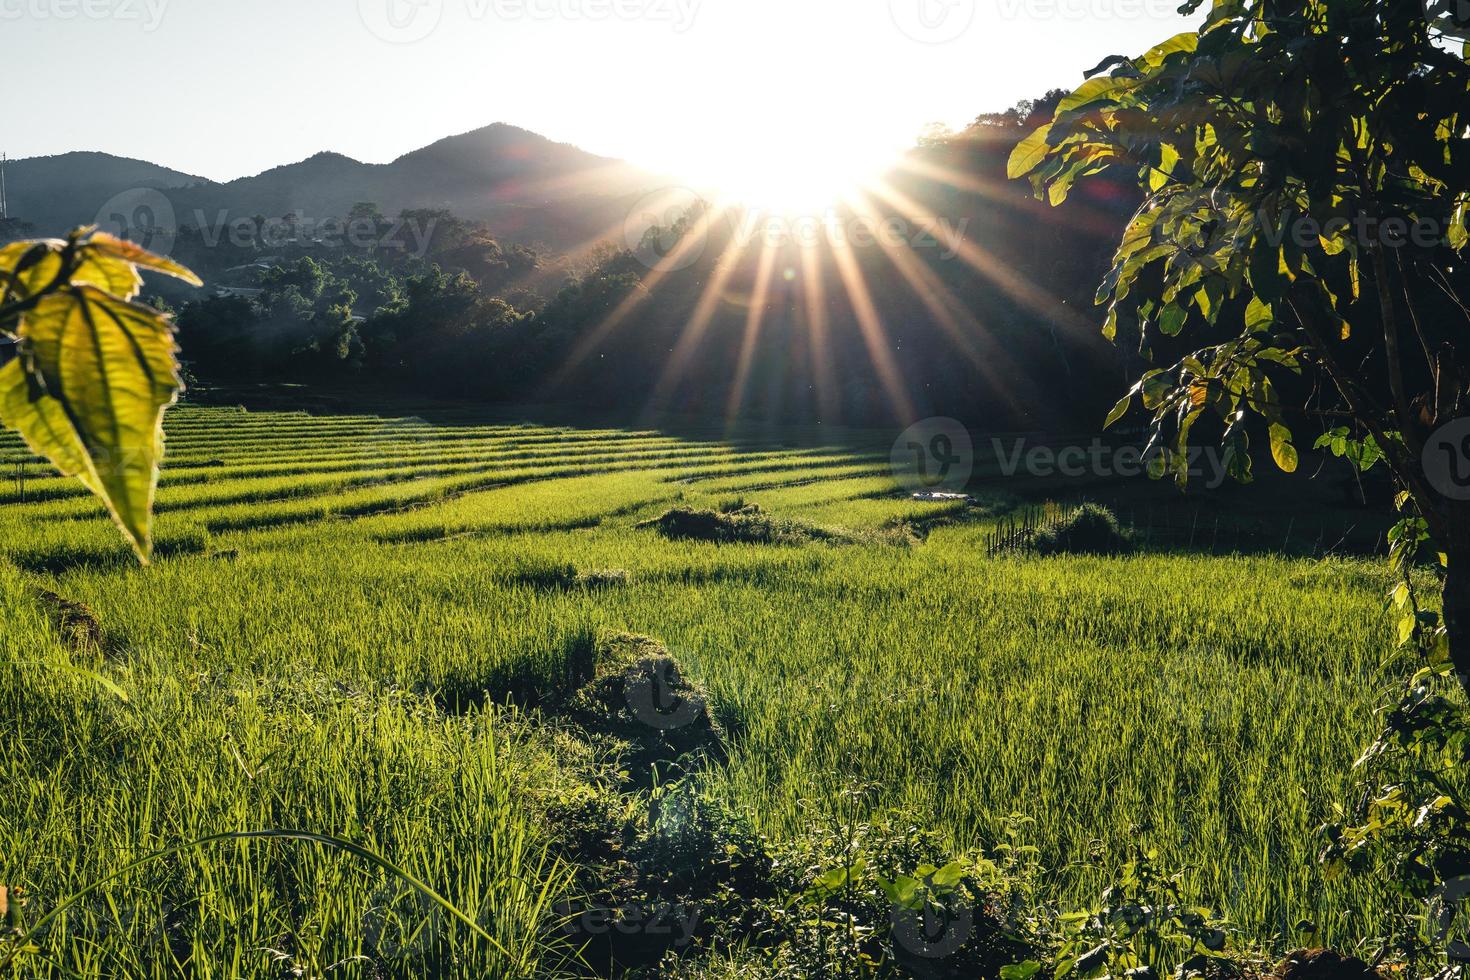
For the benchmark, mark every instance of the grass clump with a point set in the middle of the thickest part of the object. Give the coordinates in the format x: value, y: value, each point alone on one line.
x: 747, y: 525
x: 640, y: 696
x: 1091, y: 529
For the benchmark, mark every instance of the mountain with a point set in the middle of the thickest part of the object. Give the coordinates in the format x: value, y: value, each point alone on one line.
x: 525, y: 187
x: 57, y: 193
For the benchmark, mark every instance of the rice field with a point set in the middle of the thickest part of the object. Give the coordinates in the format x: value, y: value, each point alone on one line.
x: 336, y: 596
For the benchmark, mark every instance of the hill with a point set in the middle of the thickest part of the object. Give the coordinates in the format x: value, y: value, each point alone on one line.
x: 526, y: 187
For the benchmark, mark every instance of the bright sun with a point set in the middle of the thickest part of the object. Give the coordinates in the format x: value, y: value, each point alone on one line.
x: 790, y: 173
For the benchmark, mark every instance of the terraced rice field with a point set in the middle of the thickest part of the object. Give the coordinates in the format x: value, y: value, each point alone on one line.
x: 336, y: 597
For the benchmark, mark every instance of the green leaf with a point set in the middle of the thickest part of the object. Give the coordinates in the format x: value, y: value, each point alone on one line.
x: 1020, y: 971
x: 1188, y: 41
x: 1029, y: 153
x: 1265, y: 269
x: 949, y: 876
x: 1095, y: 90
x: 1282, y: 449
x: 1259, y: 316
x: 1119, y: 410
x: 1172, y: 319
x: 43, y: 424
x: 109, y: 367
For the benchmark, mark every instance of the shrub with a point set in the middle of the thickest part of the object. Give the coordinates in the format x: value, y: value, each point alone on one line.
x: 1090, y: 530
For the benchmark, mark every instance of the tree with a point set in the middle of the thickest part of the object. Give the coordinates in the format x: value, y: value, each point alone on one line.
x: 1307, y: 172
x: 1306, y: 168
x: 95, y: 370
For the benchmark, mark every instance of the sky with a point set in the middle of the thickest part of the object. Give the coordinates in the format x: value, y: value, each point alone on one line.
x: 709, y: 89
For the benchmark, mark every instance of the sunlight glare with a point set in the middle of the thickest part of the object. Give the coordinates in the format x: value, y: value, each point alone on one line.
x: 780, y: 166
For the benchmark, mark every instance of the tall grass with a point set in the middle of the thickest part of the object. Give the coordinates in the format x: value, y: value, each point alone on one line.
x: 328, y: 652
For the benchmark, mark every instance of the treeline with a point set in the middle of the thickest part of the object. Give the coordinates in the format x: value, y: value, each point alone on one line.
x: 947, y: 291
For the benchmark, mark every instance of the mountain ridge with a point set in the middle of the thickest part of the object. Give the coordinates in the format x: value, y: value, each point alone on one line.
x: 524, y: 186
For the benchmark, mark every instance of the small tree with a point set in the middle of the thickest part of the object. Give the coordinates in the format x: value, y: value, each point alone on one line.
x: 1306, y: 175
x: 1306, y: 172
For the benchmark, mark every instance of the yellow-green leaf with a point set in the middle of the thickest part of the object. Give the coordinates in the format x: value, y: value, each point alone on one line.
x: 111, y: 366
x: 1188, y: 41
x: 1258, y: 315
x: 42, y: 423
x: 119, y: 248
x: 1281, y: 448
x: 1029, y: 153
x: 1119, y: 410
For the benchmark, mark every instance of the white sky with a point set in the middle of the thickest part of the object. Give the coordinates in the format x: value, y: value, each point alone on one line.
x: 701, y: 88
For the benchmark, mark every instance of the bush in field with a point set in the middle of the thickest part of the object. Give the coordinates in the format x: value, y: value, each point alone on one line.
x: 1091, y: 530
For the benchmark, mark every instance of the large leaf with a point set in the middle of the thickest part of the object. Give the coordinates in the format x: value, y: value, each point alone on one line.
x: 109, y: 366
x: 42, y: 422
x: 1281, y: 448
x: 120, y: 249
x: 1029, y: 153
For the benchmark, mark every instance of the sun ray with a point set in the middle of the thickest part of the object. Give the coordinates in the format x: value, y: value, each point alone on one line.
x: 695, y: 238
x: 975, y: 184
x: 814, y: 290
x: 1084, y: 218
x: 1012, y: 282
x: 704, y: 313
x: 753, y: 321
x: 875, y: 337
x: 966, y: 331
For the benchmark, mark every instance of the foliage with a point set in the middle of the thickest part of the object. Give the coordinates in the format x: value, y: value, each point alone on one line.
x: 747, y: 525
x: 1142, y: 927
x: 94, y: 370
x: 1091, y: 529
x: 1286, y: 150
x: 1307, y: 169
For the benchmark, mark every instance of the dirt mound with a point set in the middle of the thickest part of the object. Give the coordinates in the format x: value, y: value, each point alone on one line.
x: 749, y: 525
x: 78, y: 625
x: 639, y: 695
x: 1323, y: 964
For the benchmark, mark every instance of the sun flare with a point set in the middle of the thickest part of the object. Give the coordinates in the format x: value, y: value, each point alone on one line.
x: 778, y: 173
